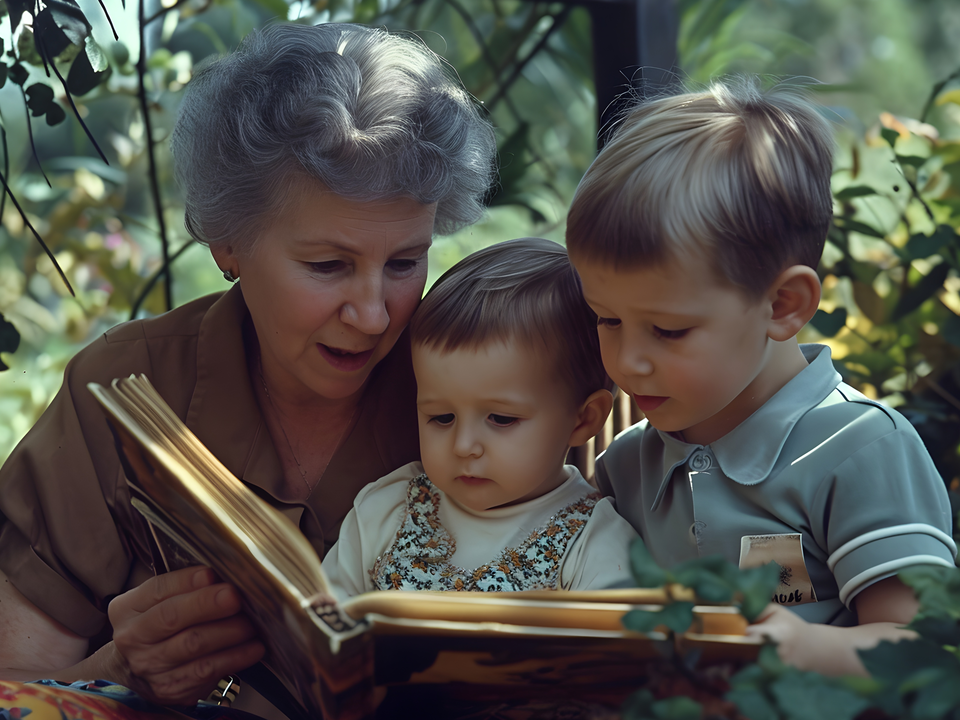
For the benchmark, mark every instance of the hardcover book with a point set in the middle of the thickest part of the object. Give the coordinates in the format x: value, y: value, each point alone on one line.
x: 332, y: 652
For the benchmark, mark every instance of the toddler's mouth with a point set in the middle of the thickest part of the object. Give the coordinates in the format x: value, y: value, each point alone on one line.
x: 471, y: 480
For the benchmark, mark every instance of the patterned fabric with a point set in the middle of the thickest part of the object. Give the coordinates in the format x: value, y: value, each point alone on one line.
x: 419, y: 558
x: 95, y: 700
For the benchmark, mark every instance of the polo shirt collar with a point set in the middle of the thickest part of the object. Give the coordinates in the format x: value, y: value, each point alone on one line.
x: 748, y: 453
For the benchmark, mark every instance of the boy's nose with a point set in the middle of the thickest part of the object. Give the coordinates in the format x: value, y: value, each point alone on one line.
x: 634, y: 360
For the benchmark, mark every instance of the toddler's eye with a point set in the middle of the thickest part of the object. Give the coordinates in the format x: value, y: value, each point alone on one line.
x: 501, y: 420
x: 442, y: 420
x: 608, y: 322
x: 670, y: 334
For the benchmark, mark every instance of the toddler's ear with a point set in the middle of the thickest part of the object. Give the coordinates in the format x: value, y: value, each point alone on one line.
x: 794, y: 297
x: 591, y: 416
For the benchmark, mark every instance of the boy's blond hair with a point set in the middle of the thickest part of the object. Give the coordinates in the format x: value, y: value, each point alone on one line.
x: 734, y: 171
x: 522, y: 290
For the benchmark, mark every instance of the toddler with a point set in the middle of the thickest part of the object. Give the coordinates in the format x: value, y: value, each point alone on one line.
x: 509, y: 378
x: 696, y: 233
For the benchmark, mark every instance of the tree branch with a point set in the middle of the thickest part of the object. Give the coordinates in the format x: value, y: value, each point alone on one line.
x: 151, y: 155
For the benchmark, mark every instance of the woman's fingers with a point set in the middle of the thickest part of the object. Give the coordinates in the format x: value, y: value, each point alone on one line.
x: 178, y: 633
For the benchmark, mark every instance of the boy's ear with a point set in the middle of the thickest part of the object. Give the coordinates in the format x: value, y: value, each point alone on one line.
x: 794, y: 298
x: 226, y: 259
x: 591, y: 416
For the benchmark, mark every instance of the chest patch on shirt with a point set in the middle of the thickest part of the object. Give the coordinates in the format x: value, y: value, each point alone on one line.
x: 787, y: 552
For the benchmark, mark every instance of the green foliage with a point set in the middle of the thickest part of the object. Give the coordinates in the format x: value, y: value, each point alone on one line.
x: 713, y: 580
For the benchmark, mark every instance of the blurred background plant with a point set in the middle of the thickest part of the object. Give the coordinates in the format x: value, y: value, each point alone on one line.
x: 90, y: 168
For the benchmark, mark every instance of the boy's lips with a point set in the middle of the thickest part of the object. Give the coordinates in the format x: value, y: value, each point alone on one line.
x: 344, y: 360
x: 649, y: 403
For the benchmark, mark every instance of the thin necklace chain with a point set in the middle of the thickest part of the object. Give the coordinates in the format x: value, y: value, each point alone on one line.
x: 303, y: 473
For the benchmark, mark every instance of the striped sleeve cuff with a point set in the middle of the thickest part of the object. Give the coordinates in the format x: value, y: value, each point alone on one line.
x: 881, y: 553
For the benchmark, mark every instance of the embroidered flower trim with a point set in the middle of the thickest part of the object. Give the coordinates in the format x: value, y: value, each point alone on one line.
x: 419, y: 558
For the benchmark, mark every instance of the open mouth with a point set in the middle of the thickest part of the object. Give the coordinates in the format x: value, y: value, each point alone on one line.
x: 649, y: 403
x: 344, y: 360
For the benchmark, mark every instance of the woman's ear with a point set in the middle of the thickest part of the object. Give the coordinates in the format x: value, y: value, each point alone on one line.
x: 590, y: 417
x: 794, y: 298
x: 226, y: 260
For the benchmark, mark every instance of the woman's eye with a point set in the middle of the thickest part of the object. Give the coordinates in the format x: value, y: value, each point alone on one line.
x: 443, y: 420
x: 501, y: 420
x: 669, y: 334
x: 607, y: 322
x: 328, y: 267
x: 402, y: 265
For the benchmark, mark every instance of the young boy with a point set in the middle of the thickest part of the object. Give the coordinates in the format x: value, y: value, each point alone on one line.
x: 696, y: 233
x: 509, y: 378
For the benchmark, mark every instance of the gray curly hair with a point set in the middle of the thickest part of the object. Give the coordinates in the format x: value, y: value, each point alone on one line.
x: 369, y: 114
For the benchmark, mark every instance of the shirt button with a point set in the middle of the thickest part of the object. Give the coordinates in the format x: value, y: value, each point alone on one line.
x: 700, y: 461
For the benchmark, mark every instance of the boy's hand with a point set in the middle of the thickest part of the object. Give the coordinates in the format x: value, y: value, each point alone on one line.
x: 790, y: 632
x: 177, y: 634
x: 883, y: 609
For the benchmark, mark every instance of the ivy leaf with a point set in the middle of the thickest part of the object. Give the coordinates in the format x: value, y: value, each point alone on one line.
x: 922, y: 291
x: 18, y: 73
x: 39, y: 98
x: 829, y: 324
x: 9, y: 339
x: 923, y: 246
x: 950, y: 330
x: 937, y: 588
x: 88, y: 70
x: 645, y: 569
x: 677, y: 708
x: 855, y: 191
x: 756, y: 585
x: 49, y: 34
x: 753, y: 704
x: 807, y: 695
x: 55, y: 114
x: 676, y: 616
x: 914, y: 161
x: 890, y: 135
x: 845, y: 223
x: 939, y: 630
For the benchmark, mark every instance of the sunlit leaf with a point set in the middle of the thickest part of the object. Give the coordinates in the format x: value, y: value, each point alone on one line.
x: 83, y: 76
x: 869, y: 301
x: 678, y: 616
x: 851, y: 225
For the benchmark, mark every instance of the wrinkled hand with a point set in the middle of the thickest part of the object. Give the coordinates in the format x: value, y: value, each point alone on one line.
x: 177, y: 634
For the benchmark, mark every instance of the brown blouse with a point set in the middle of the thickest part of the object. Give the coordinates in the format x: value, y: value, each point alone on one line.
x: 69, y: 539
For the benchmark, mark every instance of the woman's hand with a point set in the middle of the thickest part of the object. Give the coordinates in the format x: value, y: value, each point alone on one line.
x: 177, y: 634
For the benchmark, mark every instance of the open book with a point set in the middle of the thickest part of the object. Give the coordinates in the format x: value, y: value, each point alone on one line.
x: 331, y: 651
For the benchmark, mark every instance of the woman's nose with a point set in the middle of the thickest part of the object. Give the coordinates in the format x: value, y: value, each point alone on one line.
x: 366, y: 308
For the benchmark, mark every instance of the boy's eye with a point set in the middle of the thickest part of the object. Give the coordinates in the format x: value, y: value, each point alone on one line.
x: 326, y: 268
x: 669, y: 334
x: 443, y: 420
x: 608, y: 322
x: 501, y: 420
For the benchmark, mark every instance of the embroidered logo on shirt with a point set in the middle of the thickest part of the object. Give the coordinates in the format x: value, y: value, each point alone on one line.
x: 786, y: 551
x: 419, y: 558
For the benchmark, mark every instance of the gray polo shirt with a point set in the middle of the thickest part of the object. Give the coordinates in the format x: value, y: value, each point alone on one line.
x: 818, y: 459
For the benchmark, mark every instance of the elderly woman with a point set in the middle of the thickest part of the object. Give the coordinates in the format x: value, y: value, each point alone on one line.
x: 317, y: 163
